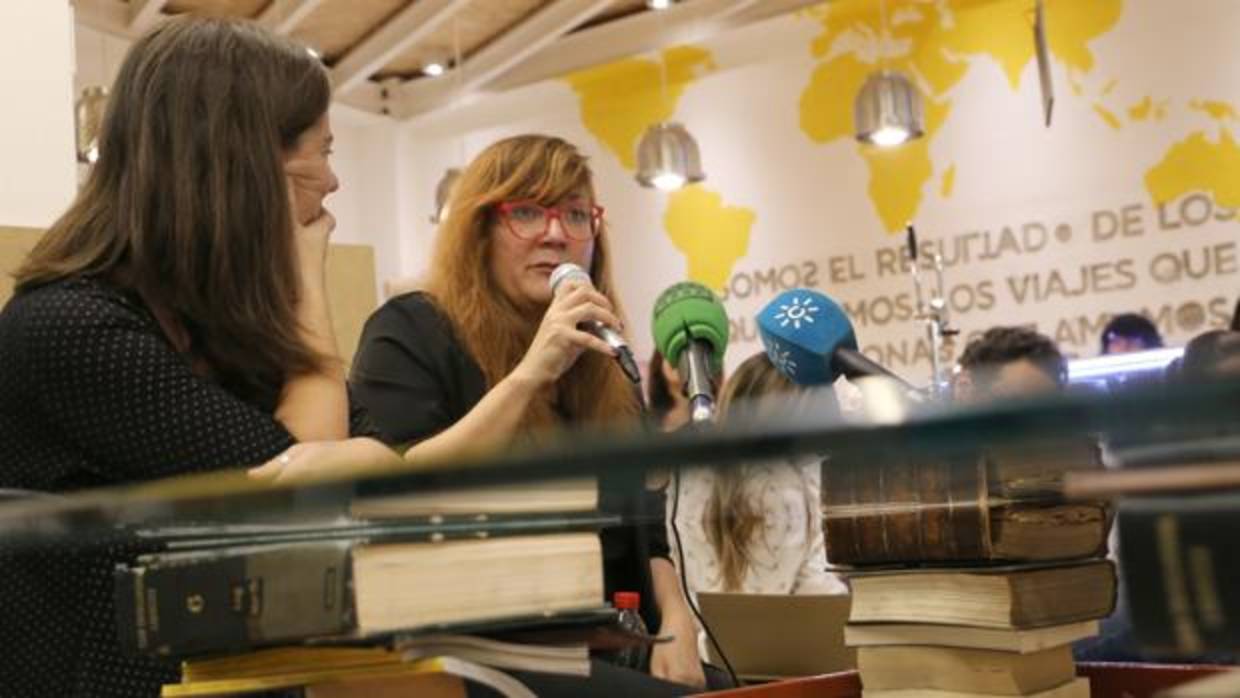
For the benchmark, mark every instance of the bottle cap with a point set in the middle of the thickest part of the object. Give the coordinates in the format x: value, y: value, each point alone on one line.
x: 623, y: 600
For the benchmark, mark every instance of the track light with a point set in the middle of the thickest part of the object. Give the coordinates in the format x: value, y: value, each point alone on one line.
x: 668, y: 158
x: 443, y: 192
x: 887, y: 111
x: 88, y: 117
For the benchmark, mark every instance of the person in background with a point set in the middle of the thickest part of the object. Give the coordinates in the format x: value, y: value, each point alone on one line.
x: 486, y: 357
x: 665, y: 394
x: 173, y: 319
x: 1008, y: 362
x: 1211, y: 355
x: 755, y: 528
x: 1128, y: 332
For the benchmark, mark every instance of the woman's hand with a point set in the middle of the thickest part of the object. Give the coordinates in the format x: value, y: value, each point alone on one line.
x: 311, y: 461
x: 312, y: 224
x: 559, y: 342
x: 678, y: 660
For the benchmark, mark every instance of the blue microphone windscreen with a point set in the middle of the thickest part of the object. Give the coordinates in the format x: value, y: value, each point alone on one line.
x: 801, y: 329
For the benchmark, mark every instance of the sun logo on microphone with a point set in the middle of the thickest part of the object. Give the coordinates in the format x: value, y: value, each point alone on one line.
x: 782, y: 359
x: 798, y: 311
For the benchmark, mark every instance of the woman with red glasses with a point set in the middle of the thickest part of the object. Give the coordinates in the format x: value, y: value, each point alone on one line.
x: 486, y: 354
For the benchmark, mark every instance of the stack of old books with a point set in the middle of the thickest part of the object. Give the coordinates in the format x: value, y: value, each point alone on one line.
x: 970, y: 577
x: 388, y: 572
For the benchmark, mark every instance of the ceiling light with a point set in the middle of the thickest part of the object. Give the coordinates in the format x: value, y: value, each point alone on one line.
x: 668, y: 158
x: 668, y: 181
x: 88, y: 117
x: 658, y: 4
x: 434, y: 68
x: 443, y: 193
x: 887, y: 111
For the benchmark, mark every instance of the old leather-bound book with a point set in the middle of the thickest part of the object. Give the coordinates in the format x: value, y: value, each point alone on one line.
x: 997, y: 505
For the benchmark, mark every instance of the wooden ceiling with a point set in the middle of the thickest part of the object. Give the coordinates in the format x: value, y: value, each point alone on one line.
x: 377, y: 49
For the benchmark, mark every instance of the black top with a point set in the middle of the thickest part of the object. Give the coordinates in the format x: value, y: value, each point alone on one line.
x: 92, y: 394
x: 416, y: 379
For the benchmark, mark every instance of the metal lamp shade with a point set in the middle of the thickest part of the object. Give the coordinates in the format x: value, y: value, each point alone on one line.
x: 88, y: 117
x: 888, y: 110
x: 668, y: 157
x: 443, y: 191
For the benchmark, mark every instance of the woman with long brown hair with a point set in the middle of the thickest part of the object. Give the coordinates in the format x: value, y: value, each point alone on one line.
x: 174, y: 319
x: 756, y: 528
x: 485, y: 355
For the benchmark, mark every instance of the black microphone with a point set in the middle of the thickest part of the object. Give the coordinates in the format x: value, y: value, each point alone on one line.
x: 624, y: 356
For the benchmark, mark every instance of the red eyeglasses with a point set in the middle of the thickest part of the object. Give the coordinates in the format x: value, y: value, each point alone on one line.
x: 529, y: 220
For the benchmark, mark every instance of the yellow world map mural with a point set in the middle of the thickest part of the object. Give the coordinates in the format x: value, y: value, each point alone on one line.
x: 937, y: 43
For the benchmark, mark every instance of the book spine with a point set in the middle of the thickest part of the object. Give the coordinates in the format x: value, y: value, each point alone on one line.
x: 1181, y: 560
x: 432, y: 529
x: 233, y: 600
x: 898, y: 512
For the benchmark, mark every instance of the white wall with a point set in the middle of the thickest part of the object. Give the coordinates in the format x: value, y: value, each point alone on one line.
x: 37, y: 159
x: 367, y: 203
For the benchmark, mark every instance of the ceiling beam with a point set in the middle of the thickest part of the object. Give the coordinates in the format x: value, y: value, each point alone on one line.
x: 283, y: 16
x: 410, y: 26
x: 517, y: 44
x: 109, y: 17
x: 640, y: 33
x: 144, y: 14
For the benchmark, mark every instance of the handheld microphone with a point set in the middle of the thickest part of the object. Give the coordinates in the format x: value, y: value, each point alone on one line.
x: 810, y: 340
x: 690, y: 329
x: 624, y: 356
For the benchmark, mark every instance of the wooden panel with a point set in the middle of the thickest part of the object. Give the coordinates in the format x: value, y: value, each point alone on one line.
x: 479, y: 24
x: 842, y: 685
x: 15, y: 244
x: 217, y: 8
x: 618, y: 10
x: 351, y: 288
x: 338, y: 25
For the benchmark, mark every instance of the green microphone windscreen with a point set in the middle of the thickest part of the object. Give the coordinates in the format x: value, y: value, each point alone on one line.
x: 688, y: 311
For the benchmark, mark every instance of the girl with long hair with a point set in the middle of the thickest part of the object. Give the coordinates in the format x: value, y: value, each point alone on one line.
x: 485, y: 355
x: 174, y: 319
x: 757, y: 527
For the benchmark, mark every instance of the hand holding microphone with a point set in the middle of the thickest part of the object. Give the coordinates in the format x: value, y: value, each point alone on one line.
x: 562, y: 335
x: 568, y: 277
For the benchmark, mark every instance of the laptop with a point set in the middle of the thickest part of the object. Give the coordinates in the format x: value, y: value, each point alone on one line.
x: 775, y: 636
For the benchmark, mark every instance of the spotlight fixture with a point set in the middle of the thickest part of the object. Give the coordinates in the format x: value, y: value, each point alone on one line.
x: 443, y: 192
x: 659, y: 4
x: 88, y: 118
x: 887, y: 111
x: 668, y: 158
x: 434, y: 68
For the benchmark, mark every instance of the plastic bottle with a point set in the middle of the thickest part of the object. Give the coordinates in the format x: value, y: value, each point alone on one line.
x: 629, y: 604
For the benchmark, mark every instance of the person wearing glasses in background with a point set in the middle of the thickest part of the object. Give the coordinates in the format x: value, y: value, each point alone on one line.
x: 485, y: 355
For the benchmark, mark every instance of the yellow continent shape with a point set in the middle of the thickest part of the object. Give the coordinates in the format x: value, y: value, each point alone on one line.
x: 1198, y: 164
x: 620, y: 100
x: 711, y: 235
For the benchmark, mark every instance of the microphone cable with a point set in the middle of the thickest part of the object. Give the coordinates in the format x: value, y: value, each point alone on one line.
x: 684, y: 582
x: 680, y: 563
